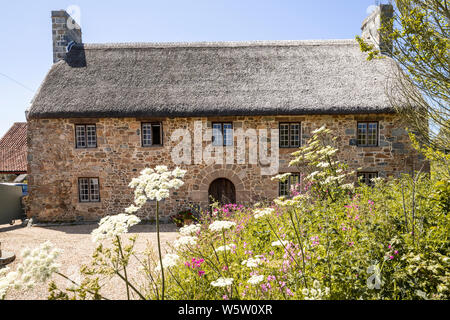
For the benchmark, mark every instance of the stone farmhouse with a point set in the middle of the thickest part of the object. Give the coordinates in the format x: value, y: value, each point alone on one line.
x: 104, y: 112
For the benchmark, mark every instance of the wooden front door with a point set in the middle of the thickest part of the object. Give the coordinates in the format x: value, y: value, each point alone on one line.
x: 223, y: 191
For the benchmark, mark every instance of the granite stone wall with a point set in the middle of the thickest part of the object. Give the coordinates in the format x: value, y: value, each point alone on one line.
x: 55, y: 165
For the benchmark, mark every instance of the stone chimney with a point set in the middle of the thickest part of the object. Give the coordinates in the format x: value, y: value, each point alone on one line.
x: 65, y: 30
x: 371, y: 25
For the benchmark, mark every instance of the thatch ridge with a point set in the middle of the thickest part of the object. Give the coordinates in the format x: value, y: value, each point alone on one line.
x: 213, y: 78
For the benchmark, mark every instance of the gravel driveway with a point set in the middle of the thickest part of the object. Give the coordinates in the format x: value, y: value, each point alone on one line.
x: 75, y: 241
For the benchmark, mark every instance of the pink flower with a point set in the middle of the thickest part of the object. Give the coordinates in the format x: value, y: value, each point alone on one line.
x: 396, y: 252
x: 389, y: 246
x: 271, y: 278
x: 225, y: 297
x: 391, y: 257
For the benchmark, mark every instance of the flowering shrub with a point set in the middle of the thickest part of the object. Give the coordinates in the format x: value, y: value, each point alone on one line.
x: 330, y: 240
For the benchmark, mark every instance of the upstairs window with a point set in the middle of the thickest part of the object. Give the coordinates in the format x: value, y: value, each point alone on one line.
x: 366, y: 177
x: 291, y: 185
x: 367, y: 134
x: 152, y: 134
x: 85, y: 136
x: 289, y: 135
x: 88, y: 190
x: 222, y: 134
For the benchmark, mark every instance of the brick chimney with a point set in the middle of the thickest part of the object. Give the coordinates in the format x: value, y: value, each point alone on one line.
x: 371, y: 25
x: 65, y: 30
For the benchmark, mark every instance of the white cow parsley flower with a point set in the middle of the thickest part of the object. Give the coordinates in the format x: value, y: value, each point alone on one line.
x: 185, y: 241
x: 155, y: 185
x: 259, y: 213
x: 169, y: 260
x: 221, y: 225
x: 279, y: 243
x: 226, y: 247
x: 190, y: 229
x: 251, y: 263
x: 112, y: 226
x: 222, y: 282
x: 256, y: 279
x: 37, y: 267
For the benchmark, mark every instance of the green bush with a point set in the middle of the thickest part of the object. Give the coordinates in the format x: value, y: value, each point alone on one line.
x: 331, y: 240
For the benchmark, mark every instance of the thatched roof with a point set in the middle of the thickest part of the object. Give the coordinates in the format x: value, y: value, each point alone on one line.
x: 210, y: 79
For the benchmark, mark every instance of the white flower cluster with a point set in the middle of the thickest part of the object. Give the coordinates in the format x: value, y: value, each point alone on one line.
x: 255, y: 279
x: 185, y: 241
x: 315, y: 293
x: 348, y: 186
x: 112, y: 226
x: 279, y: 243
x: 322, y: 129
x: 218, y: 226
x: 38, y: 265
x: 226, y: 247
x: 259, y: 213
x: 169, y: 260
x: 154, y: 185
x: 190, y: 229
x: 281, y: 177
x: 222, y: 282
x: 251, y: 263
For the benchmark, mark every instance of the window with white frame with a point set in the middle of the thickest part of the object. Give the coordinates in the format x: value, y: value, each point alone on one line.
x: 290, y: 135
x: 222, y: 134
x: 86, y: 136
x: 367, y: 134
x: 366, y: 177
x: 289, y: 186
x: 152, y: 134
x: 88, y: 190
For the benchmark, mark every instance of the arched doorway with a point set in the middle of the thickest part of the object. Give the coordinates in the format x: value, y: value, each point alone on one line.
x: 223, y: 191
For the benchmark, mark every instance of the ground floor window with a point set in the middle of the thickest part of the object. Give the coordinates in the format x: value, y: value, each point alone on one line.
x: 290, y: 186
x: 366, y: 177
x: 88, y: 190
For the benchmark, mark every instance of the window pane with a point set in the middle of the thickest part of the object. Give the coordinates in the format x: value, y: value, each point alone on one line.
x: 80, y: 135
x: 295, y: 135
x: 84, y: 189
x: 91, y: 136
x: 284, y: 188
x: 228, y: 134
x: 372, y: 134
x: 217, y: 134
x: 156, y: 134
x: 366, y: 177
x: 146, y: 134
x: 284, y: 135
x: 95, y: 194
x: 362, y: 134
x: 295, y: 183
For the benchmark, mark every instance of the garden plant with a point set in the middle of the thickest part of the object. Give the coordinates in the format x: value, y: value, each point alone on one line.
x: 331, y: 239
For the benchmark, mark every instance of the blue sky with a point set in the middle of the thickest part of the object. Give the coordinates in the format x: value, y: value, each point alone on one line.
x: 26, y: 43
